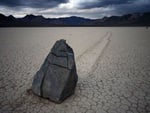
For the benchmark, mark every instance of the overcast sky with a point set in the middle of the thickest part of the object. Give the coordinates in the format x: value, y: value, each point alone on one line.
x: 66, y: 8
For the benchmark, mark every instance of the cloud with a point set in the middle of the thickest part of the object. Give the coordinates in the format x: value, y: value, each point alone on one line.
x: 97, y: 8
x: 85, y: 4
x: 83, y: 8
x: 87, y: 13
x: 132, y: 7
x: 31, y: 3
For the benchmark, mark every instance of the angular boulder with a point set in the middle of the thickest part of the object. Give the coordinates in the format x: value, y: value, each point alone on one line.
x: 57, y: 77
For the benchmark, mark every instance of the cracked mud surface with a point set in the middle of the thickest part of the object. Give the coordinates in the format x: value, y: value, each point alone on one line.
x: 119, y: 81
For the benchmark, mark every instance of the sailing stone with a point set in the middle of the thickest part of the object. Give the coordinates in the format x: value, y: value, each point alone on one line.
x: 57, y: 77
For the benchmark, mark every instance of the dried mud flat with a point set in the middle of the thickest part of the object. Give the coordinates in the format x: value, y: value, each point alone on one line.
x: 113, y: 66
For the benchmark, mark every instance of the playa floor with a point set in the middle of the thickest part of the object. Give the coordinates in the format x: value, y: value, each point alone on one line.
x: 113, y: 66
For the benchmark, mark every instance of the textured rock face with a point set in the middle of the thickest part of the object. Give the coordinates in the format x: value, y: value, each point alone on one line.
x: 57, y: 77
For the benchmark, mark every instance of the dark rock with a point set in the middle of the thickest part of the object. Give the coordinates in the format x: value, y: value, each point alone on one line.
x: 57, y: 77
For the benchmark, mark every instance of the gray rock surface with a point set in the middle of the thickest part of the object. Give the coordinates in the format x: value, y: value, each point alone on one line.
x: 57, y: 77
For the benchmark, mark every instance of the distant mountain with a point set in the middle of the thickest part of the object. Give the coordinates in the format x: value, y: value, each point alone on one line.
x: 6, y: 21
x: 136, y: 19
x: 75, y: 21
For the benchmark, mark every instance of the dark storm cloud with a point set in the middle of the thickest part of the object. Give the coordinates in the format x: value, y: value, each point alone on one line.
x: 136, y: 6
x: 83, y: 8
x: 103, y: 3
x: 10, y: 3
x: 31, y: 3
x: 119, y: 7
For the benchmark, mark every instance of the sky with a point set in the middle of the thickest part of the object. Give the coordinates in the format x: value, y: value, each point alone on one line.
x: 65, y: 8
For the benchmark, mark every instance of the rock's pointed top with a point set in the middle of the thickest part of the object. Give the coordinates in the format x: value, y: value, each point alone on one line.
x: 61, y: 48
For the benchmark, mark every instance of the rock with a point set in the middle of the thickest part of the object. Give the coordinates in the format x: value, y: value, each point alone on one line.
x: 57, y: 77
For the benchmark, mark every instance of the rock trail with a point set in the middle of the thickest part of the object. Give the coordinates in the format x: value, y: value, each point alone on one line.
x: 87, y: 59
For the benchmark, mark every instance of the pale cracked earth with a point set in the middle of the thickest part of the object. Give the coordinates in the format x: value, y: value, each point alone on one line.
x: 118, y: 82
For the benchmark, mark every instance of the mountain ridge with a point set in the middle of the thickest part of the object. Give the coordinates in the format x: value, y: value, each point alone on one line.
x: 134, y: 19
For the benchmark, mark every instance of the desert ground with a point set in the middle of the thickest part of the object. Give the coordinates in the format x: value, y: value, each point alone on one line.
x: 113, y: 65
